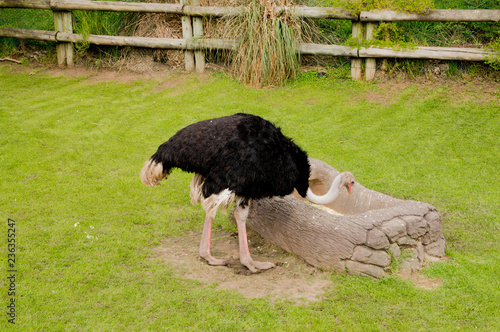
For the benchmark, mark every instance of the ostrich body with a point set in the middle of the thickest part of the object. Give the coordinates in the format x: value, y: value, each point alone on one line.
x: 237, y: 158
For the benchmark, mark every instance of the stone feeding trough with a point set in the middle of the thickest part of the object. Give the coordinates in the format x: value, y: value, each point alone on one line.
x: 370, y: 230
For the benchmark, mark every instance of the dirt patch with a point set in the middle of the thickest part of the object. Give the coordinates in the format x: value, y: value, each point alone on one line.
x: 291, y: 279
x: 94, y: 76
x: 170, y: 83
x: 165, y: 79
x: 474, y: 91
x: 387, y: 94
x: 421, y: 281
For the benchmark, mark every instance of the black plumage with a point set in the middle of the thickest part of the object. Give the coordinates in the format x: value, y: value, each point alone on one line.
x: 243, y: 153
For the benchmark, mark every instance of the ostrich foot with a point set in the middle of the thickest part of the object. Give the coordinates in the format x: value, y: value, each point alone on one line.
x: 213, y: 261
x: 256, y: 267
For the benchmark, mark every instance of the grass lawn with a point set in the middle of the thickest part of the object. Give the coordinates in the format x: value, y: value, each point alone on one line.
x: 71, y: 150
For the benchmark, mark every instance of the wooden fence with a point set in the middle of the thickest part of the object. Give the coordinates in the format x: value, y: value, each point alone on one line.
x: 194, y: 44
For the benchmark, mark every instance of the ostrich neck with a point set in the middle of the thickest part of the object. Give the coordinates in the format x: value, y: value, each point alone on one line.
x: 329, y: 197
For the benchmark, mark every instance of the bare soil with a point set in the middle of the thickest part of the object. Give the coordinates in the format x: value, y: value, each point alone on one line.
x: 291, y: 279
x: 387, y: 92
x: 465, y: 91
x: 421, y: 281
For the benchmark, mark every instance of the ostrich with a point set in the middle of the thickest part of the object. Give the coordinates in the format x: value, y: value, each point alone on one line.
x: 236, y: 159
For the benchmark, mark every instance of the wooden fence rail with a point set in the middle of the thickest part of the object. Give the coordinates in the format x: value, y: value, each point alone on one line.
x: 165, y: 8
x: 438, y: 15
x: 193, y: 42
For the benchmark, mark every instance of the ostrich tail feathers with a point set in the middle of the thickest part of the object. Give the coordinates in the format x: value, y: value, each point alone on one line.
x: 152, y: 173
x: 211, y: 204
x: 196, y: 189
x: 223, y: 199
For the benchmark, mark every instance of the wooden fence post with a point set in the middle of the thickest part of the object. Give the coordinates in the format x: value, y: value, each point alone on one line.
x: 370, y: 63
x: 187, y: 33
x: 63, y: 22
x: 68, y: 27
x: 357, y: 32
x: 60, y: 47
x: 199, y: 56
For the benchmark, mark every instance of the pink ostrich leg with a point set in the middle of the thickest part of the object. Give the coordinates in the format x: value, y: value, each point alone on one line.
x: 241, y: 214
x: 205, y: 243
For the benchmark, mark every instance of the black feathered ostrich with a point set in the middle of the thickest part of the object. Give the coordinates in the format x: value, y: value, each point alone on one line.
x: 237, y: 158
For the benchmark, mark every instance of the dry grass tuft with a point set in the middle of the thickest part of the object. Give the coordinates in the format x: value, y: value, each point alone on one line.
x: 268, y: 39
x: 154, y: 26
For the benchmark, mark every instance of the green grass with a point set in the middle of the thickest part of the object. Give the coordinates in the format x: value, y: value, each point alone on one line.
x: 70, y: 156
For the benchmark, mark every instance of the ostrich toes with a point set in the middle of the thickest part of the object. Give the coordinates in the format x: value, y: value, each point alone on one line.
x: 214, y: 261
x: 256, y: 267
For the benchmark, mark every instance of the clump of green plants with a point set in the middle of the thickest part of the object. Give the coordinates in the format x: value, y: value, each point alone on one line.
x: 386, y: 34
x: 267, y: 43
x: 408, y: 6
x: 493, y: 58
x: 101, y: 23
